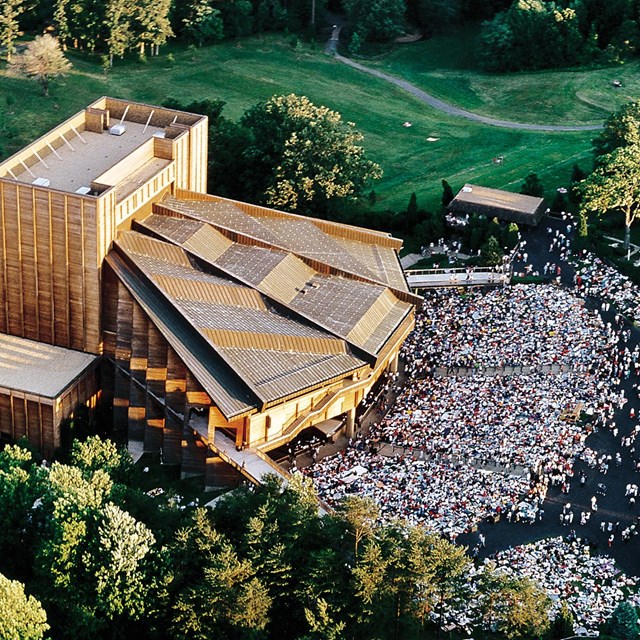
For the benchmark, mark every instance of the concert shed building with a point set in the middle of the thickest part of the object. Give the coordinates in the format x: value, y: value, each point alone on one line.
x: 194, y: 321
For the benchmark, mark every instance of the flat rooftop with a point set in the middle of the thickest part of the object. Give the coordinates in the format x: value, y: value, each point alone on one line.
x: 38, y: 368
x: 81, y: 157
x: 472, y: 194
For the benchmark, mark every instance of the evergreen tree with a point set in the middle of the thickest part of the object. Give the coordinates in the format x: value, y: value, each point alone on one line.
x: 491, y: 252
x: 623, y: 623
x: 532, y: 186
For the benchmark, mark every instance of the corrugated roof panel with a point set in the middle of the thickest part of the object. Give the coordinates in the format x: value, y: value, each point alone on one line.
x: 222, y: 214
x: 305, y: 239
x: 287, y: 279
x: 339, y: 301
x: 213, y: 292
x: 274, y: 341
x: 137, y: 243
x: 208, y: 243
x: 250, y: 264
x: 382, y: 261
x: 279, y: 374
x: 178, y: 230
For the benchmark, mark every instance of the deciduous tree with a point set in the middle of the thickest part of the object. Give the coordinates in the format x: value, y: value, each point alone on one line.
x: 303, y: 158
x: 43, y: 59
x: 615, y: 186
x: 621, y: 129
x: 21, y: 617
x: 203, y: 23
x: 10, y: 12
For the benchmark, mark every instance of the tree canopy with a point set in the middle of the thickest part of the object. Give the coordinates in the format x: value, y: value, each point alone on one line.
x: 42, y: 59
x: 21, y: 617
x: 615, y: 186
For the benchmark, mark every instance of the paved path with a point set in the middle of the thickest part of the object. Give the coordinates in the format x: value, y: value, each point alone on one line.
x: 445, y: 107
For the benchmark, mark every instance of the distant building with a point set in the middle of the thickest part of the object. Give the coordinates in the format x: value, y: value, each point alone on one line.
x: 194, y: 320
x: 495, y: 203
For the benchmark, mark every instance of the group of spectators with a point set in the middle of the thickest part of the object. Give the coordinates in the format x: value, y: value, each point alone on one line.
x: 596, y: 278
x: 564, y: 568
x: 591, y: 585
x: 454, y: 450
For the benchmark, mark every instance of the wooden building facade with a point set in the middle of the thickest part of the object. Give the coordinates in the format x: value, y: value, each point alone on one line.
x: 211, y: 319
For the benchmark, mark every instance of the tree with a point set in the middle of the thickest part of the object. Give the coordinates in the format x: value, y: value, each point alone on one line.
x: 97, y: 454
x: 21, y: 617
x: 152, y: 25
x: 10, y: 12
x: 623, y: 623
x: 118, y: 560
x: 303, y: 158
x: 321, y: 624
x: 490, y: 251
x: 20, y: 488
x: 214, y: 592
x: 519, y: 607
x: 203, y: 24
x: 512, y: 236
x: 621, y: 129
x: 360, y: 516
x: 118, y: 19
x: 376, y: 20
x: 236, y: 17
x: 562, y: 626
x: 615, y: 186
x: 532, y: 186
x: 43, y: 59
x: 577, y: 176
x: 434, y: 16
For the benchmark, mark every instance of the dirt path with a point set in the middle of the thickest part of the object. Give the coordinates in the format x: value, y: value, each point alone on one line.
x: 447, y: 108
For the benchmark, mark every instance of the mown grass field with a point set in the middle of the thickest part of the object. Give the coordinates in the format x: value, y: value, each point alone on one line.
x: 252, y: 70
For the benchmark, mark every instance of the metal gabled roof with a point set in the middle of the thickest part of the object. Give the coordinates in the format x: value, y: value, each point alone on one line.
x: 303, y: 236
x: 363, y: 313
x: 229, y: 393
x: 225, y: 314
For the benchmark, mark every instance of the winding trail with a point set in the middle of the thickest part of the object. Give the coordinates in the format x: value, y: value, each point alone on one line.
x: 445, y: 107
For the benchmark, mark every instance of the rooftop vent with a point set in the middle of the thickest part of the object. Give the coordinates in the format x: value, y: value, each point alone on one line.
x: 158, y: 134
x: 117, y: 129
x: 83, y: 191
x: 467, y: 189
x: 41, y: 182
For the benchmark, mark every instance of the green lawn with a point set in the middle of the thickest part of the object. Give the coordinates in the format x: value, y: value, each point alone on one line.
x: 255, y: 69
x: 447, y: 67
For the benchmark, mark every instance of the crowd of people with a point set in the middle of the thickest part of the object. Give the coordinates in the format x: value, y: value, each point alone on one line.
x: 452, y: 450
x: 594, y: 277
x: 519, y: 325
x: 591, y: 585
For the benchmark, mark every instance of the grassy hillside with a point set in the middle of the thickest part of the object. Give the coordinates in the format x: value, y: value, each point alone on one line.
x: 253, y: 70
x: 447, y: 67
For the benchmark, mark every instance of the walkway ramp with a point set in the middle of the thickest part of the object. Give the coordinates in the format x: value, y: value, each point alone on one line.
x: 251, y: 463
x: 432, y: 278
